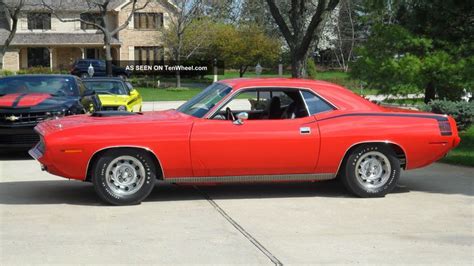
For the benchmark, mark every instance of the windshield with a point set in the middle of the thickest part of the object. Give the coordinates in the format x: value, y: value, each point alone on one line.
x: 204, y: 101
x: 106, y: 87
x: 54, y: 85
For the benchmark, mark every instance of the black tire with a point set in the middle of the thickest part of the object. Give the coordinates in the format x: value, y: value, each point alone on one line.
x: 387, y: 165
x: 124, y: 160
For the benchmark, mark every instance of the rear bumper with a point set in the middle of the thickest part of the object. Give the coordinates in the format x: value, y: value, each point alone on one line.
x: 18, y: 137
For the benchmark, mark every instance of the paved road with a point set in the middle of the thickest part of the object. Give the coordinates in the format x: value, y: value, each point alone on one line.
x: 428, y: 219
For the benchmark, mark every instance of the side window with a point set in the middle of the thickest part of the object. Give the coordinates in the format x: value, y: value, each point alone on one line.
x: 266, y: 104
x: 315, y: 104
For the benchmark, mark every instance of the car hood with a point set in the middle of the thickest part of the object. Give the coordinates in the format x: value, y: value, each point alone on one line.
x: 34, y: 101
x: 116, y: 99
x: 126, y: 120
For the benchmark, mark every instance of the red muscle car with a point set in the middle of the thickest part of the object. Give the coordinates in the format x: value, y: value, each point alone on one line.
x: 246, y: 130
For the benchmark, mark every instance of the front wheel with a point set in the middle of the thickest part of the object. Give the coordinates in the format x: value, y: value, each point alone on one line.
x: 124, y: 176
x: 371, y: 171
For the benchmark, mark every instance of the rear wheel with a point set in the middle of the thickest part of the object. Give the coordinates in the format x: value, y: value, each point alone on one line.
x: 124, y: 176
x: 371, y: 171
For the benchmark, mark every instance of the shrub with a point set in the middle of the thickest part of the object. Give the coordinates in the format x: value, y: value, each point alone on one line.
x: 41, y: 70
x: 311, y: 69
x: 462, y: 112
x: 4, y: 73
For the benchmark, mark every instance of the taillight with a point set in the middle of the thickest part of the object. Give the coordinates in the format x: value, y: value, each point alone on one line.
x: 445, y: 128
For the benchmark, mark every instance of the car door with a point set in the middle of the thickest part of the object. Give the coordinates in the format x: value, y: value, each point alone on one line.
x: 255, y: 147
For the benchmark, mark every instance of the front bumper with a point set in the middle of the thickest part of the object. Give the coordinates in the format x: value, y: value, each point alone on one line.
x: 18, y: 137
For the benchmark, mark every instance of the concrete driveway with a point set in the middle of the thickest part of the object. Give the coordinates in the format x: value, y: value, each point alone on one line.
x: 429, y: 219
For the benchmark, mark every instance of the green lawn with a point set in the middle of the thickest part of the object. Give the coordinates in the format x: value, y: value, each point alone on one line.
x: 464, y: 153
x: 168, y: 94
x: 230, y: 74
x: 413, y: 101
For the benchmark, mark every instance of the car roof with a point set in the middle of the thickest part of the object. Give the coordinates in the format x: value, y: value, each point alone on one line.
x: 103, y: 79
x: 337, y: 95
x: 41, y: 75
x: 237, y: 83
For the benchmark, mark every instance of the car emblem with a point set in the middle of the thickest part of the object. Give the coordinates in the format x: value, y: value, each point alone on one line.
x: 12, y: 118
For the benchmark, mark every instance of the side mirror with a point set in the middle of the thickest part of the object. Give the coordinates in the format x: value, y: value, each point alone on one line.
x: 133, y: 92
x: 88, y: 92
x: 240, y: 118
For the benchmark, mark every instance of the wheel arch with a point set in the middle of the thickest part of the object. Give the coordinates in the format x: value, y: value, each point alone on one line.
x: 97, y: 153
x: 397, y: 148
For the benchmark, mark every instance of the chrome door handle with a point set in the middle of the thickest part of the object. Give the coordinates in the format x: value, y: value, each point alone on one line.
x: 305, y: 130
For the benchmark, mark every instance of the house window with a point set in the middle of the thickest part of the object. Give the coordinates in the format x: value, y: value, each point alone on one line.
x: 148, y: 21
x: 39, y: 21
x: 38, y: 57
x: 91, y: 17
x: 145, y: 55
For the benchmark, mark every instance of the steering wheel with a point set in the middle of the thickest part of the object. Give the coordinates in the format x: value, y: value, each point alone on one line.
x: 229, y: 115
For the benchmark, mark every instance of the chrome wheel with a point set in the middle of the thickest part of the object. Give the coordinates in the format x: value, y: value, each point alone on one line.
x: 373, y: 170
x: 125, y: 175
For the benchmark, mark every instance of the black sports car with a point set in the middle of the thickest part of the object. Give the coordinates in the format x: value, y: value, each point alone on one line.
x: 26, y: 100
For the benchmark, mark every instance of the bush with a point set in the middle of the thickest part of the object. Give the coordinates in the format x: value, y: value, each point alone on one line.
x: 462, y: 112
x: 4, y: 73
x: 311, y: 69
x: 41, y: 70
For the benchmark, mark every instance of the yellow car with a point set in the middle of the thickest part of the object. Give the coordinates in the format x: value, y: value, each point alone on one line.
x: 115, y: 94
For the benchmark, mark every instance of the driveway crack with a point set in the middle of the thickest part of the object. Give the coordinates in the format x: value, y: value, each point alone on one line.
x: 239, y: 228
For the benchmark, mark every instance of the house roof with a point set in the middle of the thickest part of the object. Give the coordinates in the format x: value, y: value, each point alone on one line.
x: 53, y: 39
x: 64, y: 5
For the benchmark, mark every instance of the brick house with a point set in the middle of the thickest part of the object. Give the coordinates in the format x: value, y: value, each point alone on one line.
x: 43, y: 40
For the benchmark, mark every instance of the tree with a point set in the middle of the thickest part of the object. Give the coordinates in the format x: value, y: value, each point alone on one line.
x: 101, y: 8
x: 188, y: 10
x: 194, y: 39
x: 11, y: 9
x: 298, y: 33
x: 244, y: 46
x: 346, y: 35
x: 225, y: 11
x: 398, y: 62
x: 423, y: 45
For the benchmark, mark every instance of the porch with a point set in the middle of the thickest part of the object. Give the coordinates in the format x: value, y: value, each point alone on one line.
x: 60, y: 58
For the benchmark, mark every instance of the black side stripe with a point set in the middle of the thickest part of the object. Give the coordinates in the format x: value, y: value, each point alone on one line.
x: 17, y: 100
x: 436, y: 117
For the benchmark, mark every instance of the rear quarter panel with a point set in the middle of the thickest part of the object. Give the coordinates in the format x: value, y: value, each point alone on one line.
x: 420, y: 138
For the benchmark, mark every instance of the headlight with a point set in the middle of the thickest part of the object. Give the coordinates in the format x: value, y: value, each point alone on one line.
x: 122, y: 108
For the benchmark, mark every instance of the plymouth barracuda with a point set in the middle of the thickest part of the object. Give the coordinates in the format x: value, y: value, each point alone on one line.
x: 246, y: 130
